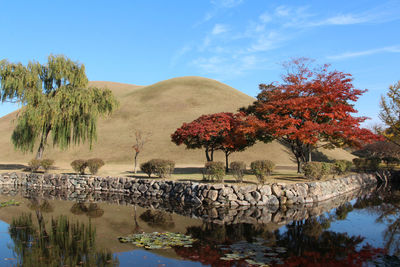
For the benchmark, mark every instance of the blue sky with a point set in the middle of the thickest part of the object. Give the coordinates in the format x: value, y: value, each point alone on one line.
x: 239, y: 42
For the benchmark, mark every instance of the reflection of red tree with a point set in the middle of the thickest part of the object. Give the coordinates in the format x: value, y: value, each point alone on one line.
x: 206, y: 254
x: 352, y: 258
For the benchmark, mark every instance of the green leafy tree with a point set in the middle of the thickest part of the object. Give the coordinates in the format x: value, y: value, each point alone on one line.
x: 390, y: 113
x: 55, y: 98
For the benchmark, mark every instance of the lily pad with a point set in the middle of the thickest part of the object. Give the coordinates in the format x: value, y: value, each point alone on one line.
x: 157, y: 240
x: 11, y: 202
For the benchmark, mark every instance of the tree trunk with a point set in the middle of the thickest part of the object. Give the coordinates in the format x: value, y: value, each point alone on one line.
x: 212, y: 154
x: 43, y: 142
x: 207, y: 155
x: 226, y: 161
x: 298, y: 164
x: 39, y: 153
x: 135, y: 169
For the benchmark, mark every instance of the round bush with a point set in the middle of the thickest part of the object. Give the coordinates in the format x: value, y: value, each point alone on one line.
x: 147, y: 168
x: 262, y: 169
x: 34, y: 165
x: 94, y: 165
x: 47, y: 164
x: 316, y: 170
x: 79, y: 166
x: 238, y: 169
x: 162, y: 167
x: 214, y: 171
x: 342, y: 166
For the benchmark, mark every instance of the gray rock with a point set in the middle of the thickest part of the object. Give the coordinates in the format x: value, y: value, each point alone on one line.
x: 212, y: 194
x: 217, y: 186
x: 142, y: 188
x: 276, y: 190
x: 256, y: 196
x: 289, y: 194
x: 273, y: 201
x: 232, y: 197
x: 265, y: 190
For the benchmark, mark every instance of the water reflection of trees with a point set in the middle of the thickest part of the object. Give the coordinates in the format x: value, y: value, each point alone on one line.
x: 157, y: 218
x: 92, y: 210
x: 307, y: 242
x: 386, y: 204
x: 61, y: 243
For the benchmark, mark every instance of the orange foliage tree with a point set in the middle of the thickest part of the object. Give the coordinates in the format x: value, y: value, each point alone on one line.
x: 312, y: 107
x: 220, y: 131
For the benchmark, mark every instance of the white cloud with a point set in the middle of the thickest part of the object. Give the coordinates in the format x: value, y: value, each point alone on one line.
x: 217, y: 7
x: 282, y: 11
x: 388, y: 49
x: 226, y: 3
x: 219, y: 28
x: 265, y: 17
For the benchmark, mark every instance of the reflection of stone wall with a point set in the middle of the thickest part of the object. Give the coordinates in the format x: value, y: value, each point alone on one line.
x: 221, y: 215
x: 199, y: 193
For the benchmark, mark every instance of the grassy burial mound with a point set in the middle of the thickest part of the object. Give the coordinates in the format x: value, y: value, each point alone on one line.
x: 158, y: 109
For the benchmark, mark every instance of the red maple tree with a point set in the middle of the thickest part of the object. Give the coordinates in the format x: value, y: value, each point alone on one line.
x: 220, y: 131
x: 312, y: 107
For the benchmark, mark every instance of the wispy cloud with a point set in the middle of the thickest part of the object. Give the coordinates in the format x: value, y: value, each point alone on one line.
x: 226, y: 3
x: 231, y: 50
x: 179, y: 54
x: 219, y: 28
x: 380, y: 14
x: 217, y: 7
x: 347, y: 55
x: 227, y: 66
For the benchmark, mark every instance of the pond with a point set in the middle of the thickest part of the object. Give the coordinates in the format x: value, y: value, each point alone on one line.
x: 58, y: 228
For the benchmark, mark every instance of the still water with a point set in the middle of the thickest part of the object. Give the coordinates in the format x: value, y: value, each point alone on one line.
x: 51, y: 228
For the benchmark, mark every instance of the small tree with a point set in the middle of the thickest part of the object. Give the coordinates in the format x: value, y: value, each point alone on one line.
x: 220, y: 131
x: 141, y: 138
x: 311, y: 108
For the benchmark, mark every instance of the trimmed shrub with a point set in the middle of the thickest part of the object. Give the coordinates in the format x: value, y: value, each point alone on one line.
x: 342, y: 166
x: 94, y: 165
x: 147, y: 168
x: 360, y: 164
x: 34, y: 165
x: 238, y: 169
x: 326, y: 168
x: 369, y: 164
x: 79, y: 166
x: 262, y: 169
x: 316, y: 170
x: 214, y: 171
x: 162, y: 167
x: 46, y: 164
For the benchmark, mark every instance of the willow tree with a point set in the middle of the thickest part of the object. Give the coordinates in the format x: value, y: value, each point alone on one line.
x: 56, y: 99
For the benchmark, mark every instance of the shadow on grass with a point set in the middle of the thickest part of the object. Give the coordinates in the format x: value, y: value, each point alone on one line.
x: 13, y: 167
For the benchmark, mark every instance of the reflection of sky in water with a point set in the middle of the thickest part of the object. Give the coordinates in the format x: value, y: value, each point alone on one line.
x: 6, y: 255
x: 362, y: 223
x: 145, y: 258
x: 359, y: 222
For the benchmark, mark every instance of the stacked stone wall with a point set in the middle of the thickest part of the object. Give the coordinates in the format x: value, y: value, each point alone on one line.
x: 196, y: 193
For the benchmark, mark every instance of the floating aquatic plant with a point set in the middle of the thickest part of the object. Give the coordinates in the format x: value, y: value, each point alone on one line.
x: 11, y: 202
x: 257, y: 253
x: 158, y: 240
